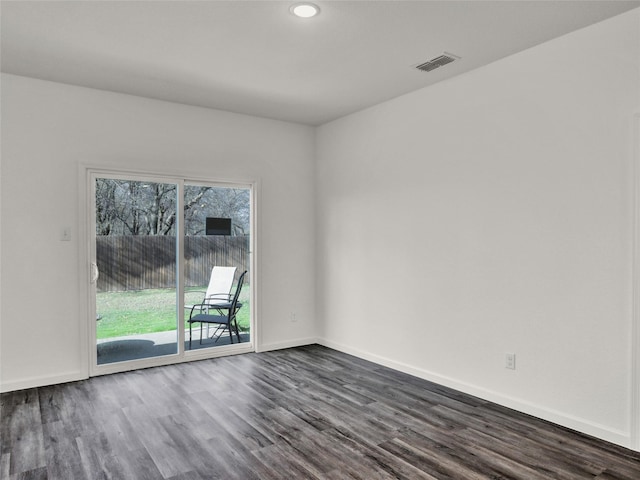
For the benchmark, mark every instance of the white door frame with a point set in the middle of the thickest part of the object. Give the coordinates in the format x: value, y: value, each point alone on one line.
x: 87, y: 228
x: 635, y: 320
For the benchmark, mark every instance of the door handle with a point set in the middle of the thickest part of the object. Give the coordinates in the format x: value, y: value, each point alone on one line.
x: 95, y: 273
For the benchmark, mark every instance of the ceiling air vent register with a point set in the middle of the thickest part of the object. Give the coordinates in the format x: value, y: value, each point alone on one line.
x: 437, y: 62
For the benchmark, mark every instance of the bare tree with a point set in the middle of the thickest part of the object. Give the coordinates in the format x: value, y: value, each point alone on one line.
x: 145, y: 208
x: 105, y: 206
x: 219, y: 202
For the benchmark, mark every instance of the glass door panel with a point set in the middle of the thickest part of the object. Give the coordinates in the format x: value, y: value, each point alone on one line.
x: 136, y: 289
x: 217, y: 238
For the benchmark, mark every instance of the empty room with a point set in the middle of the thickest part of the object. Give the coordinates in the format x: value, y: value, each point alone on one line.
x: 326, y: 240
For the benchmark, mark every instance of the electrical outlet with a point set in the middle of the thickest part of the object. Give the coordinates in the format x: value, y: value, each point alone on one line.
x: 510, y: 361
x: 293, y: 317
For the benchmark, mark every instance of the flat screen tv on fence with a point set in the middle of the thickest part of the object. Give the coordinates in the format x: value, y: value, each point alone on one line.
x: 218, y: 226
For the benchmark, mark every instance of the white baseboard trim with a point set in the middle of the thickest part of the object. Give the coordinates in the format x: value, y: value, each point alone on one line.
x: 299, y: 342
x: 42, y: 381
x: 575, y: 423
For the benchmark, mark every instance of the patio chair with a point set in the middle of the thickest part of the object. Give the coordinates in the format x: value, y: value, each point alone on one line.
x: 223, y: 321
x: 219, y: 288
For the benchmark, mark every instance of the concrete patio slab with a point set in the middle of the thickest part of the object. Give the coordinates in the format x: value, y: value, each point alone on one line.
x: 133, y: 347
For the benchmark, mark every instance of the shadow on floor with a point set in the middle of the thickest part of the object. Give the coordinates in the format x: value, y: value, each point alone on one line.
x: 134, y: 347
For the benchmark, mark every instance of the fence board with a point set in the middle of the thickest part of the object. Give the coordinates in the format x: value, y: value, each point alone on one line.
x: 142, y: 262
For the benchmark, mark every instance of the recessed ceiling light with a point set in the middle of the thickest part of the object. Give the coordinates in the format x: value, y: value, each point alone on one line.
x: 305, y: 10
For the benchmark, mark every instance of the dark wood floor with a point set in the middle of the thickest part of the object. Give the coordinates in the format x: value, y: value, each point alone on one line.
x: 307, y: 412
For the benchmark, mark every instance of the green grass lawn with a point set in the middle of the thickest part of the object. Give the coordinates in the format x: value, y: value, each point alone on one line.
x: 149, y: 311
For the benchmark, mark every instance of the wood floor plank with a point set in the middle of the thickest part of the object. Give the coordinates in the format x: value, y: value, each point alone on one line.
x: 300, y: 413
x: 196, y: 453
x: 284, y: 462
x: 234, y: 425
x: 35, y: 474
x: 97, y: 457
x: 21, y: 430
x: 378, y: 459
x: 433, y: 460
x: 136, y: 464
x: 235, y: 459
x: 4, y: 463
x: 157, y: 441
x: 63, y: 457
x: 188, y: 476
x: 345, y: 416
x: 529, y: 453
x: 613, y: 475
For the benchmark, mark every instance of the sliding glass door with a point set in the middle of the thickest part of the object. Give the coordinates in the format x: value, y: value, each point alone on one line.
x: 216, y: 253
x: 167, y: 257
x: 136, y: 288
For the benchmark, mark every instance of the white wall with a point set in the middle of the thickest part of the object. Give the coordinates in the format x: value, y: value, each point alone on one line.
x: 491, y: 213
x: 508, y: 191
x: 49, y: 129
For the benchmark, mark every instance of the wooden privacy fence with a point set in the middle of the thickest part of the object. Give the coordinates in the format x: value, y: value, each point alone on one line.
x: 142, y: 262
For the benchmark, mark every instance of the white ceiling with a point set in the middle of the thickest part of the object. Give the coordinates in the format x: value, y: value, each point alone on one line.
x: 255, y: 57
